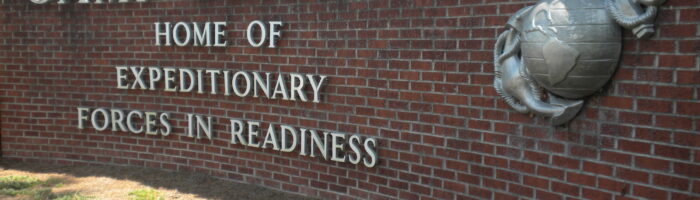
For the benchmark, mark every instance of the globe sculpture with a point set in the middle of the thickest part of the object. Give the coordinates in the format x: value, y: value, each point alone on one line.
x: 568, y: 48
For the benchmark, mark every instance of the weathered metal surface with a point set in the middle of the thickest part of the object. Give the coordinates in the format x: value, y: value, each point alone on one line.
x: 570, y: 48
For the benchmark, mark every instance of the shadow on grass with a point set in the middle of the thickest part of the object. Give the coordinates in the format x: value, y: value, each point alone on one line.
x: 200, y: 185
x: 27, y: 187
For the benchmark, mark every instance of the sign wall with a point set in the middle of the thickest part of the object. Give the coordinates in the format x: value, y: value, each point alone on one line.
x: 339, y: 99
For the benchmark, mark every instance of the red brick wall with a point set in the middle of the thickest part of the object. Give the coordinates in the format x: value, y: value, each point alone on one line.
x: 414, y: 74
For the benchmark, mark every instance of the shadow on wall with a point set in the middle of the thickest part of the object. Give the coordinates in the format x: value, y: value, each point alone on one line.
x: 201, y: 185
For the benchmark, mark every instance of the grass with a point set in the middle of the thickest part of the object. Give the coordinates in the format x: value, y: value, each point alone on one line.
x: 145, y: 194
x: 112, y: 182
x: 15, y: 185
x: 72, y: 196
x: 31, y: 188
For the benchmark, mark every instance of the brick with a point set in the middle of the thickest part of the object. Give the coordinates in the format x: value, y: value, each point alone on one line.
x: 617, y: 102
x: 537, y: 157
x: 653, y: 135
x: 563, y: 188
x: 595, y: 194
x: 649, y: 193
x: 481, y: 193
x: 687, y: 139
x: 613, y: 185
x: 632, y: 175
x: 688, y: 108
x: 681, y: 184
x: 633, y: 146
x: 536, y: 182
x: 657, y: 75
x: 674, y: 122
x: 597, y: 168
x: 652, y: 163
x: 689, y: 170
x: 550, y: 172
x: 494, y: 184
x: 539, y: 194
x: 674, y: 92
x: 681, y: 196
x: 520, y: 190
x: 581, y: 179
x: 672, y: 152
x: 417, y: 75
x: 685, y: 30
x: 566, y: 162
x: 615, y: 157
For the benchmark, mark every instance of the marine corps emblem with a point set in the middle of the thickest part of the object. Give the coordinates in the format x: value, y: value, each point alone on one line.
x: 569, y: 48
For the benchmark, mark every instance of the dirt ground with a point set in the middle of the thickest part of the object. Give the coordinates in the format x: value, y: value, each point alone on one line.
x: 108, y: 182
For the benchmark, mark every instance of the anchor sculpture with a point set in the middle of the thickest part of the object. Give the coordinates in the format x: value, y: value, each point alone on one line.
x: 571, y: 48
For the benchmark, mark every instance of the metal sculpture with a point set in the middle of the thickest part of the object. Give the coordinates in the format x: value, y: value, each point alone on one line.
x: 570, y: 48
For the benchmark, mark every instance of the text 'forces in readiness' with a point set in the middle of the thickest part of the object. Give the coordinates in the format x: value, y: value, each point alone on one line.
x: 337, y: 147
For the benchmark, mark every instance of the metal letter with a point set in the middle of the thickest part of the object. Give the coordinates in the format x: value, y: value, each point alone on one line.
x: 202, y: 35
x: 82, y: 116
x: 354, y: 141
x: 212, y: 76
x: 264, y: 85
x: 121, y: 77
x: 302, y: 142
x: 130, y: 122
x: 263, y: 33
x: 237, y: 128
x: 246, y: 79
x: 337, y: 148
x: 271, y: 138
x: 105, y: 116
x: 154, y: 74
x: 166, y: 33
x: 164, y: 120
x: 169, y: 79
x: 316, y: 86
x: 316, y: 141
x: 203, y: 127
x: 219, y: 33
x: 137, y: 71
x: 227, y: 83
x: 370, y: 147
x: 280, y: 88
x: 274, y: 33
x: 183, y: 84
x: 118, y: 120
x: 253, y: 130
x: 200, y: 82
x: 286, y: 146
x: 297, y: 87
x: 176, y: 35
x: 151, y: 123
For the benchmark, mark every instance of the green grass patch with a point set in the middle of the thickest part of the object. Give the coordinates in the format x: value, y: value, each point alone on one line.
x: 145, y: 194
x: 31, y: 188
x: 17, y: 185
x: 71, y: 196
x: 17, y: 182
